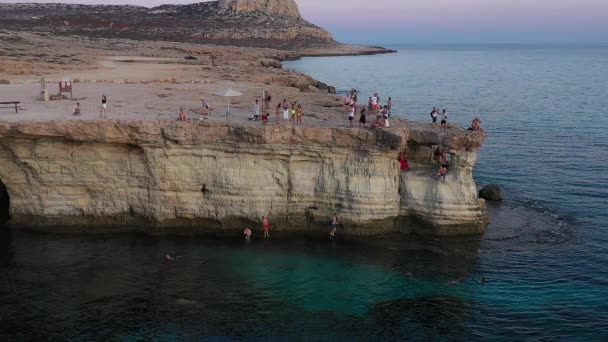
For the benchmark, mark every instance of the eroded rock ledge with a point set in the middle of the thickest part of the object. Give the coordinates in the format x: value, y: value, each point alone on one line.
x: 212, y: 175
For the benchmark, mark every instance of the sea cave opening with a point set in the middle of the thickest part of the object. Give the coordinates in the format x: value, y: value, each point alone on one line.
x: 5, y: 203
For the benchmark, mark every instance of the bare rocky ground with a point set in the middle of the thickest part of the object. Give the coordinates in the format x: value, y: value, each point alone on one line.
x: 144, y: 79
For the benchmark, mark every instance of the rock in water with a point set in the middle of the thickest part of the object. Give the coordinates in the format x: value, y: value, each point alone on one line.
x: 492, y: 192
x: 283, y: 8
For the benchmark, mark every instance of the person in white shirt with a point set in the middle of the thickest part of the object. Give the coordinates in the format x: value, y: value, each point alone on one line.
x: 256, y: 110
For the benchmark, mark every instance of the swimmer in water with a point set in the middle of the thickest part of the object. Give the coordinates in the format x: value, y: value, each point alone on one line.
x: 171, y: 258
x: 456, y: 281
x: 247, y: 233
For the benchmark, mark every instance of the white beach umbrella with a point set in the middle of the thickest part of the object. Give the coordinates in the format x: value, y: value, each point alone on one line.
x: 229, y: 93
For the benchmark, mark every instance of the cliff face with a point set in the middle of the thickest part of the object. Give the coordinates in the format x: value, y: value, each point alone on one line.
x: 212, y: 175
x: 286, y: 8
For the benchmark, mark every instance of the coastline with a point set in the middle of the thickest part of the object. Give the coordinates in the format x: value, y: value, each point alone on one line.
x: 359, y: 186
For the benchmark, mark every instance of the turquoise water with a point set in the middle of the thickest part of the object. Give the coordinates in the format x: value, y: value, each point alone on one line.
x: 544, y: 256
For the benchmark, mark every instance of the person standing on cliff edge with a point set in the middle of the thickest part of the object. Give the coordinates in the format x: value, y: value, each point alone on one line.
x: 266, y: 227
x: 104, y: 107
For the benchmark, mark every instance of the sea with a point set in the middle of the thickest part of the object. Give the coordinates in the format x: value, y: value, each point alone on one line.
x: 539, y: 273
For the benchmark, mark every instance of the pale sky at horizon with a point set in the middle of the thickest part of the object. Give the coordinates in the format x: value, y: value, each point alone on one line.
x: 445, y: 21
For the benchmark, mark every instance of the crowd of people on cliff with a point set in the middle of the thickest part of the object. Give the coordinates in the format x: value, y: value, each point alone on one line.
x: 373, y: 107
x: 292, y: 112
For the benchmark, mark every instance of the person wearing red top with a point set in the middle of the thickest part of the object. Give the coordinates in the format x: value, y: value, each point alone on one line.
x: 403, y: 164
x: 266, y: 226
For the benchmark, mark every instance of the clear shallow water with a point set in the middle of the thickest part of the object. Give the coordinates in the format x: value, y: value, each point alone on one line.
x: 543, y: 256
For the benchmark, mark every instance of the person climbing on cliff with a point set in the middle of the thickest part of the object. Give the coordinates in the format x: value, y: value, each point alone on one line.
x: 442, y: 172
x: 247, y: 232
x: 334, y: 225
x: 440, y: 156
x: 403, y: 164
x: 266, y: 226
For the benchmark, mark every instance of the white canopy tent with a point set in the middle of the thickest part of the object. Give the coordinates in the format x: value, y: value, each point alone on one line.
x: 229, y: 93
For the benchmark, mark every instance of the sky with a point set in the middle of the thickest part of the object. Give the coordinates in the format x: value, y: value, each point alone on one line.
x: 446, y: 21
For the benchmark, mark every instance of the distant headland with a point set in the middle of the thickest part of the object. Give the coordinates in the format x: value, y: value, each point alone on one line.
x: 249, y: 23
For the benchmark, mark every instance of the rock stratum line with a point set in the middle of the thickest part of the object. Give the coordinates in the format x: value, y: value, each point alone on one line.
x: 206, y: 176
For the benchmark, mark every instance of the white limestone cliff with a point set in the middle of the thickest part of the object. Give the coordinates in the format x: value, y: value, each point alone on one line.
x: 219, y: 176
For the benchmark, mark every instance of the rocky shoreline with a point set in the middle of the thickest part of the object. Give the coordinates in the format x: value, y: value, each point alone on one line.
x: 142, y: 171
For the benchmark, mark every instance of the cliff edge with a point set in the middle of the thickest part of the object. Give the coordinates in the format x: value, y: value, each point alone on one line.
x: 210, y: 176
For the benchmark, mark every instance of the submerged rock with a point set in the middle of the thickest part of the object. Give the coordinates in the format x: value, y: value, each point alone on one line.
x: 492, y: 192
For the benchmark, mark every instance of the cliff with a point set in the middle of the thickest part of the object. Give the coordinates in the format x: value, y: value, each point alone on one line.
x: 259, y: 23
x: 221, y: 176
x: 284, y: 8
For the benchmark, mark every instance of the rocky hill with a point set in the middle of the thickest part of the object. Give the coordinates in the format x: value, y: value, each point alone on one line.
x: 262, y: 23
